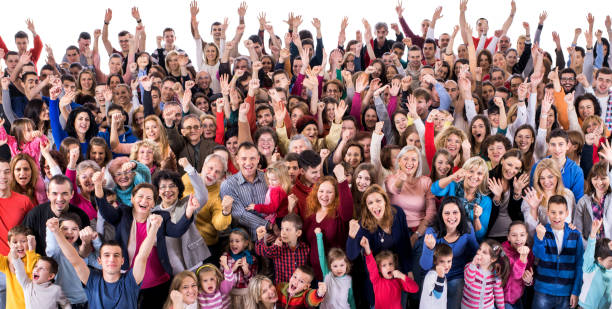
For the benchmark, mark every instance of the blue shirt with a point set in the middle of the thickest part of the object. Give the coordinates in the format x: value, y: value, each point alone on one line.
x: 464, y: 249
x: 105, y: 295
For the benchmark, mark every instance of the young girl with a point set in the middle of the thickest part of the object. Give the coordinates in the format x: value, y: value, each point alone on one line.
x: 241, y: 263
x: 214, y: 287
x: 23, y: 138
x: 597, y: 290
x: 521, y: 259
x: 338, y: 280
x: 279, y: 183
x: 388, y: 282
x: 489, y: 268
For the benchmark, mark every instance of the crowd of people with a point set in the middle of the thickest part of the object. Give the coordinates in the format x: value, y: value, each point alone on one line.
x: 378, y: 173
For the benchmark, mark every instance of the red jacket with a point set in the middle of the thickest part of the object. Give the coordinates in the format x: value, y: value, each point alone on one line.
x: 35, y: 51
x: 276, y: 202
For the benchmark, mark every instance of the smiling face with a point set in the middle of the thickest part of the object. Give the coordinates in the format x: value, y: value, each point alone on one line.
x: 413, y: 140
x: 59, y: 195
x: 558, y: 147
x: 145, y: 155
x: 84, y: 180
x: 151, y: 130
x: 143, y: 201
x: 556, y: 215
x: 70, y: 229
x: 298, y: 282
x: 189, y: 290
x: 22, y: 173
x: 483, y: 256
x: 517, y: 236
x: 523, y: 140
x: 212, y: 171
x: 376, y: 205
x: 363, y: 180
x: 453, y: 144
x: 443, y: 166
x: 474, y: 177
x: 548, y: 181
x: 268, y: 292
x: 326, y: 194
x: 266, y: 145
x: 338, y: 267
x: 353, y: 156
x: 600, y: 183
x: 495, y: 151
x: 81, y: 123
x: 451, y: 216
x: 192, y: 130
x: 511, y: 166
x: 168, y: 192
x: 237, y: 243
x: 409, y: 163
x: 586, y: 108
x: 386, y: 267
x: 248, y: 159
x: 311, y: 132
x: 123, y: 178
x: 20, y: 242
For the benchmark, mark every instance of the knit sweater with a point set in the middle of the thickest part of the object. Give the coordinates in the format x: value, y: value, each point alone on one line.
x: 597, y: 287
x: 464, y: 250
x: 39, y: 296
x: 305, y: 299
x: 414, y: 198
x: 220, y: 299
x: 482, y: 289
x: 388, y: 291
x: 513, y: 290
x: 559, y: 274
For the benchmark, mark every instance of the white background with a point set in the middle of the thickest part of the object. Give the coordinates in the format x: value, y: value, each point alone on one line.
x: 60, y: 22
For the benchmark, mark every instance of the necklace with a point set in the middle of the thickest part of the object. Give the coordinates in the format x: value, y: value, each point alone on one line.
x: 381, y: 234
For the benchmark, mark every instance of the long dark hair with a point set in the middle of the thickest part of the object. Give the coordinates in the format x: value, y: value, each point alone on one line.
x: 528, y: 156
x: 93, y: 127
x: 33, y: 110
x: 438, y: 224
x: 501, y: 265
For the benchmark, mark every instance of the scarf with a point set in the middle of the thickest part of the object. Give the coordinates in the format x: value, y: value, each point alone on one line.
x: 244, y: 253
x: 468, y: 205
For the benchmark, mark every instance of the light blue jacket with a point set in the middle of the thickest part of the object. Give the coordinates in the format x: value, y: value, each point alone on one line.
x: 596, y: 290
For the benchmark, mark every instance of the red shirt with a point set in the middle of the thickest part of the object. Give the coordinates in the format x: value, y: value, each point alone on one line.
x: 12, y: 212
x: 35, y: 51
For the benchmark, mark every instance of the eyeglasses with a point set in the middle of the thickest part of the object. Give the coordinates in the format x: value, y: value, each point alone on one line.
x: 567, y: 79
x: 122, y: 174
x: 189, y: 128
x: 168, y: 187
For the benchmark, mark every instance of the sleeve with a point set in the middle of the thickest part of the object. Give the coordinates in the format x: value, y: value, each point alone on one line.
x: 445, y: 99
x: 267, y: 251
x: 372, y: 269
x: 409, y: 285
x: 346, y: 201
x: 353, y: 249
x: 426, y: 260
x: 588, y: 263
x: 392, y: 106
x: 484, y: 218
x: 587, y: 68
x: 332, y: 138
x: 108, y: 212
x: 220, y: 132
x: 579, y: 263
x: 38, y: 46
x: 430, y: 147
x: 313, y: 299
x: 62, y: 301
x: 199, y: 58
x: 559, y: 102
x: 517, y: 270
x: 147, y: 103
x: 470, y: 110
x: 383, y: 115
x: 275, y: 201
x: 283, y: 139
x: 177, y: 229
x: 600, y: 57
x: 437, y: 191
x: 356, y: 109
x: 219, y: 221
x: 20, y: 272
x: 7, y: 106
x: 578, y: 185
x: 539, y: 247
x: 228, y: 282
x: 199, y: 188
x: 532, y: 105
x: 56, y: 128
x: 321, y: 254
x: 142, y: 172
x: 416, y: 39
x: 540, y: 144
x: 52, y: 249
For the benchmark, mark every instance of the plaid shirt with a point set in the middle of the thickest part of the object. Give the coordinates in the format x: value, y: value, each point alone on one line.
x: 608, y: 114
x: 242, y: 280
x: 285, y: 259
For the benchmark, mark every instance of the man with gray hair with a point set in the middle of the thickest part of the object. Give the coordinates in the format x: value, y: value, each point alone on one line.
x: 381, y: 45
x: 299, y: 143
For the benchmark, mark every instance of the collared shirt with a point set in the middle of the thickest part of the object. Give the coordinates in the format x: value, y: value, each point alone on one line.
x: 285, y: 259
x: 245, y: 193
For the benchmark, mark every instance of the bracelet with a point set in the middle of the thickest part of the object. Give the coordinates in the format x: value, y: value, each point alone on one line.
x: 106, y: 23
x: 139, y: 21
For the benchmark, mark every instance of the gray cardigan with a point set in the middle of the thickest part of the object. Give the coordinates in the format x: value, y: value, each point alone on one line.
x: 188, y: 251
x: 583, y: 216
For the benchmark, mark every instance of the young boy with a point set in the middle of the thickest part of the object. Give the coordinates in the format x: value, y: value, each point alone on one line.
x: 310, y: 173
x: 597, y: 288
x: 559, y: 248
x: 39, y: 292
x: 387, y: 282
x: 572, y: 175
x: 297, y: 292
x: 67, y: 277
x: 287, y: 253
x: 24, y: 243
x: 434, y: 285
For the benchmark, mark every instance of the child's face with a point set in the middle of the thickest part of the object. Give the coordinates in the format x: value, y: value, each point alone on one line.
x: 606, y: 263
x: 273, y: 180
x: 446, y: 262
x: 387, y: 266
x: 338, y: 267
x: 557, y: 147
x: 483, y: 256
x: 237, y: 243
x: 517, y: 236
x: 289, y: 234
x: 442, y: 166
x: 208, y: 282
x: 298, y: 282
x: 27, y: 132
x: 41, y: 273
x: 556, y: 215
x: 20, y: 241
x: 70, y: 230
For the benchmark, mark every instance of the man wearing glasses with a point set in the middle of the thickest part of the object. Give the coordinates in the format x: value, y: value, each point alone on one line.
x: 190, y: 144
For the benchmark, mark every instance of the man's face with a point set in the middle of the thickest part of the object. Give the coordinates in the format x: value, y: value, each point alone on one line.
x: 568, y: 82
x: 5, y: 176
x: 265, y: 118
x: 111, y: 259
x: 452, y: 89
x: 216, y: 32
x: 59, y: 196
x: 381, y: 34
x: 172, y: 114
x: 349, y: 126
x: 504, y: 43
x: 212, y: 171
x: 312, y: 174
x: 203, y: 80
x: 482, y: 26
x: 387, y: 60
x: 242, y: 64
x: 74, y: 71
x: 281, y: 81
x: 579, y: 58
x: 604, y: 81
x: 414, y: 58
x: 169, y: 38
x: 444, y: 39
x: 514, y: 85
x: 167, y: 92
x: 124, y: 42
x: 399, y: 52
x: 121, y: 95
x: 558, y: 147
x: 69, y: 85
x: 297, y: 64
x: 429, y: 50
x: 248, y: 160
x: 84, y: 44
x: 72, y: 55
x: 423, y: 107
x: 497, y: 78
x: 11, y: 62
x: 22, y: 44
x: 192, y: 130
x: 293, y: 169
x: 30, y: 82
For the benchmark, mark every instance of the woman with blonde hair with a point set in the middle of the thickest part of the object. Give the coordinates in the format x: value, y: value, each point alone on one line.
x: 86, y: 83
x: 452, y: 139
x: 469, y: 184
x: 147, y: 152
x: 262, y: 293
x: 183, y: 291
x: 547, y: 181
x: 594, y: 135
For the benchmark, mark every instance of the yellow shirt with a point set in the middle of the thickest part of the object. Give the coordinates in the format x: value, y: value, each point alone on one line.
x: 14, y: 292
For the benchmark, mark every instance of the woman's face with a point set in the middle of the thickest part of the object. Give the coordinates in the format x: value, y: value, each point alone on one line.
x: 401, y: 122
x: 208, y: 128
x: 189, y: 290
x: 586, y: 108
x: 414, y: 140
x: 523, y: 140
x: 453, y: 144
x: 211, y: 53
x: 98, y: 154
x: 114, y: 81
x: 142, y: 61
x: 202, y: 104
x: 511, y: 167
x: 391, y: 72
x: 86, y: 81
x: 484, y: 63
x: 451, y: 216
x: 268, y: 293
x: 363, y: 180
x: 488, y: 92
x: 474, y: 177
x: 462, y: 52
x: 349, y: 64
x: 511, y: 58
x: 173, y: 63
x: 326, y: 194
x: 370, y: 118
x: 409, y: 163
x: 85, y: 182
x: 378, y: 71
x: 548, y: 181
x: 267, y: 65
x: 81, y: 123
x: 479, y: 131
x: 600, y: 183
x: 265, y: 144
x: 44, y: 113
x: 151, y: 130
x: 593, y: 126
x: 499, y: 61
x: 123, y: 178
x: 168, y: 191
x: 495, y: 151
x: 376, y: 205
x: 333, y: 91
x: 353, y: 156
x: 442, y: 72
x: 296, y: 114
x: 330, y: 111
x: 143, y: 201
x: 139, y: 119
x: 311, y: 132
x: 22, y: 173
x: 443, y: 166
x: 145, y: 155
x: 232, y: 145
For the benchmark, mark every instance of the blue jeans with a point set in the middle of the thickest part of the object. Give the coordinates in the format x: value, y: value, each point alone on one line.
x: 455, y: 293
x: 545, y: 301
x: 517, y: 305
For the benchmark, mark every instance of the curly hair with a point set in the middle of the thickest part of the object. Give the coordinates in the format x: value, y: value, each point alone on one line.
x: 312, y: 201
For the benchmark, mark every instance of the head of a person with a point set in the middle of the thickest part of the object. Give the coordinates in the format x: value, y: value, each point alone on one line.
x: 547, y: 178
x: 557, y: 211
x: 84, y: 172
x: 414, y: 56
x: 239, y: 241
x: 587, y: 105
x: 44, y: 270
x: 261, y: 292
x: 442, y: 164
x: 266, y: 140
x: 603, y: 253
x: 98, y: 151
x: 292, y: 164
x: 191, y: 128
x: 353, y: 154
x: 146, y: 152
x: 59, y: 192
x: 17, y: 237
x: 22, y: 41
x: 517, y: 234
x: 491, y: 256
x: 185, y: 283
x: 567, y: 78
x: 123, y: 178
x: 144, y: 196
x: 209, y: 277
x: 494, y: 147
x: 376, y: 209
x: 25, y: 174
x: 603, y: 80
x: 299, y: 143
x: 324, y: 195
x: 450, y: 139
x: 424, y: 101
x: 291, y: 229
x: 169, y: 186
x: 387, y: 263
x: 524, y: 139
x: 363, y: 177
x: 429, y: 48
x: 409, y: 161
x: 111, y: 257
x: 81, y: 123
x: 597, y: 182
x: 69, y: 224
x: 214, y: 169
x: 310, y: 167
x: 477, y: 174
x: 450, y: 218
x: 558, y: 144
x: 443, y: 256
x: 248, y: 159
x: 300, y: 279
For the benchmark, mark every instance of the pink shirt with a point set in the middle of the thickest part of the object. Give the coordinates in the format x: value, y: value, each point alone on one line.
x: 154, y: 272
x: 414, y: 198
x: 78, y: 200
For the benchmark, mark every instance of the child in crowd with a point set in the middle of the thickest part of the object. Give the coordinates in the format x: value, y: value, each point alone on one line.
x: 434, y: 290
x: 215, y: 287
x: 23, y: 243
x: 279, y: 183
x: 39, y: 292
x: 387, y: 281
x: 241, y: 262
x: 296, y: 293
x: 556, y: 246
x: 337, y: 280
x: 485, y: 276
x: 23, y: 138
x: 597, y: 267
x: 521, y: 261
x: 287, y: 252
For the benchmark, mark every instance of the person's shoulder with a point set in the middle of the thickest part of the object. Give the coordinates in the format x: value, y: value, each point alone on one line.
x: 40, y: 209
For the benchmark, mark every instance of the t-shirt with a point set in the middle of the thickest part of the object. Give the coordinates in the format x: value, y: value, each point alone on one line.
x: 12, y: 212
x: 154, y: 271
x: 120, y: 294
x: 558, y: 239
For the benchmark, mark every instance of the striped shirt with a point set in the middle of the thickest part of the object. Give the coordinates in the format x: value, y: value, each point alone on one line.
x: 220, y: 299
x: 482, y: 289
x: 285, y: 259
x: 245, y: 193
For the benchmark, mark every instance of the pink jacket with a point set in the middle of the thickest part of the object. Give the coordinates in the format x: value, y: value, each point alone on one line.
x: 515, y: 285
x: 32, y: 147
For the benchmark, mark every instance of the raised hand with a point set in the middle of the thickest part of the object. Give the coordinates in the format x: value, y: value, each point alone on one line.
x: 53, y: 225
x: 322, y: 289
x: 495, y: 186
x: 108, y: 16
x: 532, y: 198
x: 339, y: 111
x: 136, y: 13
x: 595, y: 227
x: 156, y: 221
x: 477, y: 211
x: 31, y: 242
x: 339, y: 172
x: 520, y: 183
x: 192, y: 206
x: 540, y: 231
x: 226, y: 205
x: 353, y: 228
x: 430, y: 241
x: 543, y: 16
x: 292, y: 201
x: 242, y: 9
x: 365, y: 244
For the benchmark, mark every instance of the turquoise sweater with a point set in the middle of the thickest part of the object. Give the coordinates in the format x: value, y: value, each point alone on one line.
x: 597, y: 285
x: 141, y: 174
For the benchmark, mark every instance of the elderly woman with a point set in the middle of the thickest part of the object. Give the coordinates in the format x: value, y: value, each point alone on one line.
x: 80, y: 175
x: 147, y: 152
x: 188, y: 251
x: 126, y: 175
x: 469, y: 184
